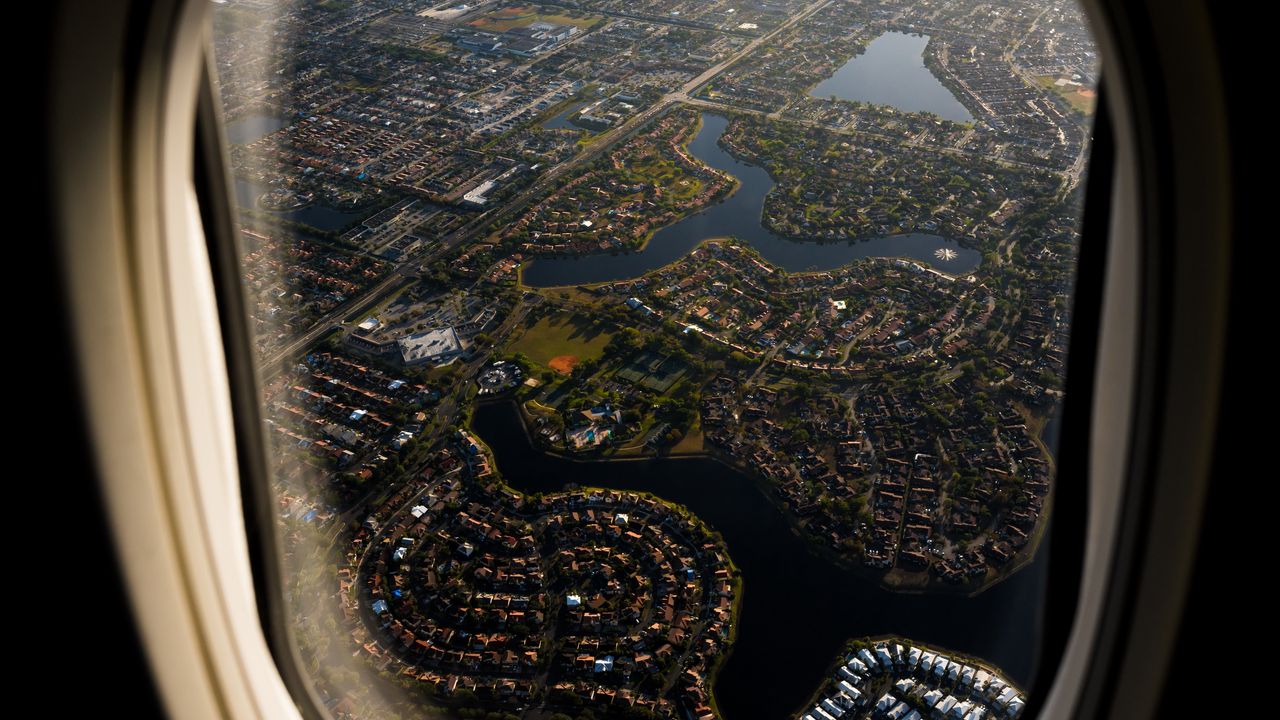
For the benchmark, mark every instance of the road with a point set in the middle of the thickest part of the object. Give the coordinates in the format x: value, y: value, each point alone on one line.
x: 446, y: 411
x: 405, y: 272
x: 1073, y: 174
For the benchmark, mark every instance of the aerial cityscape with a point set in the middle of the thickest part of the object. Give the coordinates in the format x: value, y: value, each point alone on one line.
x: 662, y: 358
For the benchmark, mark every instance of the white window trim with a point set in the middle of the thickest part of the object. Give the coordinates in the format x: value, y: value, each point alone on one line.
x: 145, y: 325
x: 146, y: 328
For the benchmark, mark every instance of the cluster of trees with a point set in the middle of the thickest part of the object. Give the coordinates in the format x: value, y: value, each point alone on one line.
x: 847, y: 509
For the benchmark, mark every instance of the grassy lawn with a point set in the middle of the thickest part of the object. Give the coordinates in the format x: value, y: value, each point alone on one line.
x: 591, y: 138
x: 666, y: 174
x: 436, y: 373
x: 570, y: 293
x: 507, y: 18
x: 564, y: 339
x: 1079, y: 97
x: 691, y: 442
x: 533, y: 407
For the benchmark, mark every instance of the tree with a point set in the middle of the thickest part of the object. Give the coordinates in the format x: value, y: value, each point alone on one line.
x: 625, y: 341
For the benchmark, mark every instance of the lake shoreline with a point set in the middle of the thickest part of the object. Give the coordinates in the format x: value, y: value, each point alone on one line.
x: 799, y: 605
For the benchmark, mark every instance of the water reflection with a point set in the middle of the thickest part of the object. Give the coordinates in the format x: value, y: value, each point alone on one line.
x: 798, y: 610
x: 739, y: 216
x: 892, y: 72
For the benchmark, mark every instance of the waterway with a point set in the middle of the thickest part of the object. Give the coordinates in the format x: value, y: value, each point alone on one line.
x: 739, y: 215
x: 892, y: 72
x: 797, y: 609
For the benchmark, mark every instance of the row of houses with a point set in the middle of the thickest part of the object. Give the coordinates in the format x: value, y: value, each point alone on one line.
x: 614, y: 593
x: 897, y: 680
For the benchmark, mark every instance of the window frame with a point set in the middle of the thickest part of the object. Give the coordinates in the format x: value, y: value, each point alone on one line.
x: 162, y: 356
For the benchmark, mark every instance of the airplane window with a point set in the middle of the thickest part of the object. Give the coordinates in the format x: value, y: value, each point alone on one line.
x: 661, y: 358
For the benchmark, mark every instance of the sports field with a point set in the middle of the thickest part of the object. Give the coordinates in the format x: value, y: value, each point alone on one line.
x: 561, y: 341
x: 519, y: 16
x: 1081, y: 98
x: 652, y: 371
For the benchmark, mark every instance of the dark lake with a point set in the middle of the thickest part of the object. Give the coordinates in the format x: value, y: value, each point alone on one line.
x: 892, y: 72
x: 798, y: 610
x: 739, y: 216
x: 253, y: 127
x: 316, y: 215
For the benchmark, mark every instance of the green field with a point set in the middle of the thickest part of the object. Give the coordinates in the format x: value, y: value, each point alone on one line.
x: 505, y: 19
x: 676, y: 184
x: 692, y: 442
x: 1080, y: 98
x: 560, y: 338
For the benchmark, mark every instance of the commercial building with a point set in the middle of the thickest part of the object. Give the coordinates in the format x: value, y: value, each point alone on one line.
x: 437, y: 346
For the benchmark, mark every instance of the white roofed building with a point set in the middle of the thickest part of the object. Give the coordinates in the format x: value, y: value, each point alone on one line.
x: 438, y: 346
x: 938, y: 687
x: 832, y: 709
x: 1005, y: 696
x: 882, y: 654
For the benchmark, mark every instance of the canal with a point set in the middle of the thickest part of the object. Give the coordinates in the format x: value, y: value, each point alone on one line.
x: 739, y: 215
x: 798, y: 610
x: 892, y: 72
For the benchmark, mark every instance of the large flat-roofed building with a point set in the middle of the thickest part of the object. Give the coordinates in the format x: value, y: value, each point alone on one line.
x: 479, y: 195
x: 372, y: 345
x: 554, y: 32
x: 433, y: 346
x: 479, y: 41
x: 524, y: 40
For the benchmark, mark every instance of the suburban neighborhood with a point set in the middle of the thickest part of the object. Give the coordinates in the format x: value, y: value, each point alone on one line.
x: 899, y: 680
x: 511, y: 265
